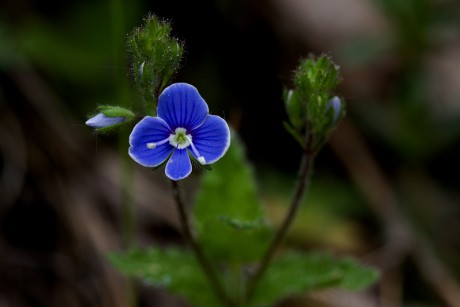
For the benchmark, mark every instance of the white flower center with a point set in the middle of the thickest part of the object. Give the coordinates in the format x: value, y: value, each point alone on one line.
x: 180, y: 139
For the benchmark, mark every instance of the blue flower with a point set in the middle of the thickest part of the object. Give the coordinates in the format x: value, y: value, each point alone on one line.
x: 182, y: 127
x: 102, y: 121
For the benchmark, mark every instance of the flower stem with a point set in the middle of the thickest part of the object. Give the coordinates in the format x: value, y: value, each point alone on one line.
x: 303, y: 181
x: 205, y: 264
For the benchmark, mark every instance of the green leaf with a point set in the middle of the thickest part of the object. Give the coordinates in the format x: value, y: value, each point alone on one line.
x: 174, y: 269
x: 230, y: 221
x: 297, y: 273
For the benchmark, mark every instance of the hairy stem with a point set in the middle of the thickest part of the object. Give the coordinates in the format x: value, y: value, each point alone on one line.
x: 205, y: 264
x: 303, y: 180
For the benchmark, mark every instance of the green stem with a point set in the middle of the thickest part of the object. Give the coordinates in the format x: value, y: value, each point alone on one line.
x: 236, y: 284
x: 303, y: 181
x: 204, y: 262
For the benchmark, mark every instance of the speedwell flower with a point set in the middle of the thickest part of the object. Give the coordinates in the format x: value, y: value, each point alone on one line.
x: 182, y: 127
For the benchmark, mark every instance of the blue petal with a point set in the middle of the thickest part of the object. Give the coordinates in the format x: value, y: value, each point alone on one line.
x: 336, y: 104
x: 211, y: 139
x: 149, y: 130
x: 180, y: 105
x: 102, y: 121
x: 179, y: 165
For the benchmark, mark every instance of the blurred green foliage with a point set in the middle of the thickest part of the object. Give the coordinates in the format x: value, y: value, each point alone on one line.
x: 73, y: 50
x: 408, y: 117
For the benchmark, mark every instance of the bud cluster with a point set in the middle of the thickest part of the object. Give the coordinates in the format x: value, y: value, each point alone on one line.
x: 311, y: 106
x: 156, y: 56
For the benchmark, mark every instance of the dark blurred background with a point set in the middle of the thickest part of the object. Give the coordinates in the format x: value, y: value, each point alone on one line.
x: 385, y: 189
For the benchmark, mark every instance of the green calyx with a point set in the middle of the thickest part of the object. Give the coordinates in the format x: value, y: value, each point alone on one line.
x: 116, y: 111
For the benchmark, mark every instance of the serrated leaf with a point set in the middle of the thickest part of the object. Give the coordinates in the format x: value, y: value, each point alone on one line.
x: 228, y: 199
x: 116, y: 111
x: 174, y: 269
x: 296, y: 273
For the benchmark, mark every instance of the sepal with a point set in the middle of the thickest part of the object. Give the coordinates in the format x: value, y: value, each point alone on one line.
x: 295, y: 108
x: 197, y: 164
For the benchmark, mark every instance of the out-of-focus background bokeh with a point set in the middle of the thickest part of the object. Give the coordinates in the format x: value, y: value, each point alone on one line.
x: 385, y: 188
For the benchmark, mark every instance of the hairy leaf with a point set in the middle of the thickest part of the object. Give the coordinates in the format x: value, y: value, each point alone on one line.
x: 229, y: 217
x: 174, y: 269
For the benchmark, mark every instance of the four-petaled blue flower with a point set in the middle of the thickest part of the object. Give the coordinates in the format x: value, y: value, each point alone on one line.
x: 182, y: 127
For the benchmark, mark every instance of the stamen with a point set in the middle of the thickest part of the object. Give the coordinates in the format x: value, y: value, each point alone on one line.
x: 141, y: 69
x: 200, y: 158
x: 153, y: 145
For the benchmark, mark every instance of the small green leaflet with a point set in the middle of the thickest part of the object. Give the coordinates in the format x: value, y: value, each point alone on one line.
x: 172, y: 268
x: 230, y: 221
x: 296, y: 273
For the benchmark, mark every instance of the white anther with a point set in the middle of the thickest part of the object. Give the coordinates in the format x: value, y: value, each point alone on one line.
x: 141, y: 69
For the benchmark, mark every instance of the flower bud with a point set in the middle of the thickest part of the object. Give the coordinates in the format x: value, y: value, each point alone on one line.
x: 109, y: 117
x: 336, y: 105
x: 101, y: 121
x: 309, y: 106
